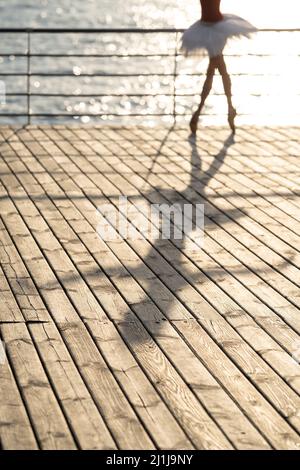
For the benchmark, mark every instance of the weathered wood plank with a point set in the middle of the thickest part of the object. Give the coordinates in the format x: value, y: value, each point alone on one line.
x: 9, y: 310
x: 83, y: 416
x: 15, y: 427
x: 26, y: 297
x: 46, y: 415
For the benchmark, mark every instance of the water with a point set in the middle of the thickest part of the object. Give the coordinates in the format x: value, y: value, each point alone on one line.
x: 142, y: 13
x: 266, y: 88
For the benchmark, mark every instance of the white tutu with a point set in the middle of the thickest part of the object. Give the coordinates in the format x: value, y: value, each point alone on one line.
x: 212, y: 37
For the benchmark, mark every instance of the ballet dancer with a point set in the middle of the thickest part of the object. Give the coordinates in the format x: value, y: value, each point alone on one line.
x: 210, y: 34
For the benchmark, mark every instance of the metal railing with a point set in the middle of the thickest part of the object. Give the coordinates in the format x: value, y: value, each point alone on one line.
x: 29, y: 54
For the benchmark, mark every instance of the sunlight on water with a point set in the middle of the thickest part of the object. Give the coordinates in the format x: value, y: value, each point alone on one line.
x: 265, y: 70
x: 142, y: 13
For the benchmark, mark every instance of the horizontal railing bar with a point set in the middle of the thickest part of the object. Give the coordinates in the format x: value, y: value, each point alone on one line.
x: 120, y: 30
x: 24, y: 54
x: 93, y: 95
x: 15, y: 74
x: 121, y: 95
x: 121, y: 115
x: 85, y: 115
x: 43, y: 74
x: 91, y: 30
x: 75, y: 115
x: 129, y: 56
x: 111, y: 95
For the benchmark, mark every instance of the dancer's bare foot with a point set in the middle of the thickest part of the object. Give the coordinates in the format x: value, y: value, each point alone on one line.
x: 194, y: 122
x: 231, y: 117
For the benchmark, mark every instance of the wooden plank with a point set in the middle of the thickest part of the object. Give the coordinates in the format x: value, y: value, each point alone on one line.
x: 217, y: 328
x: 15, y: 427
x: 25, y: 303
x: 46, y: 415
x: 83, y: 416
x: 9, y: 311
x: 201, y: 430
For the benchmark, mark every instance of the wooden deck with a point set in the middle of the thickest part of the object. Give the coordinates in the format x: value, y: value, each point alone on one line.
x: 137, y: 344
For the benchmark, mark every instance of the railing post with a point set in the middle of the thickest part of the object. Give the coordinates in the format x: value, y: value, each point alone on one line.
x: 28, y: 77
x: 175, y: 77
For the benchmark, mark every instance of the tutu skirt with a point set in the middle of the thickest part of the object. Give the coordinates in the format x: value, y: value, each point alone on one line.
x: 212, y: 37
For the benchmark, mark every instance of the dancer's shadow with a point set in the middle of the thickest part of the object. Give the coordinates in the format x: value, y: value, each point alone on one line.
x: 194, y: 191
x: 164, y: 270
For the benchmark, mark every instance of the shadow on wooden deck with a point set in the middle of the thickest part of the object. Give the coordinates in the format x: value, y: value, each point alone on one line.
x: 160, y: 343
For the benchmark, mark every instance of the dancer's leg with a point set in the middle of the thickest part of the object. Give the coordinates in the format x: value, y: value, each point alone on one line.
x: 213, y: 64
x: 227, y: 88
